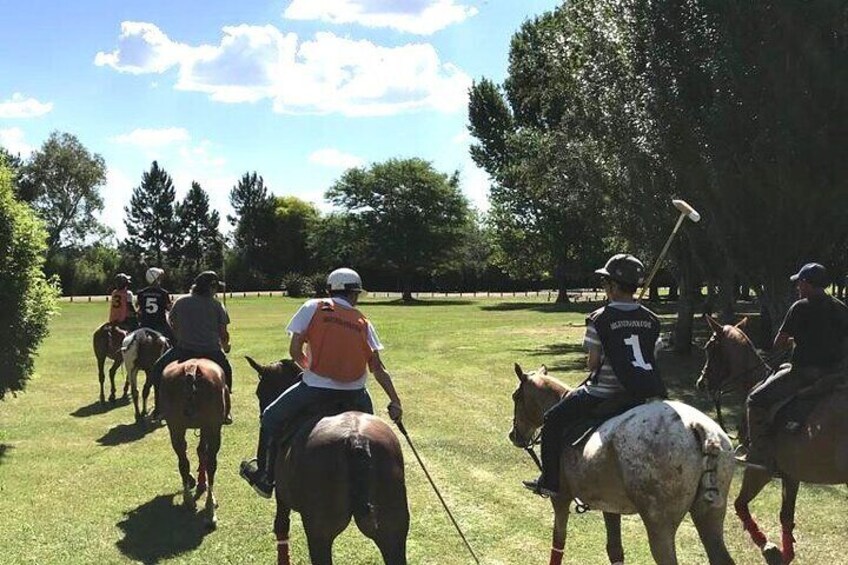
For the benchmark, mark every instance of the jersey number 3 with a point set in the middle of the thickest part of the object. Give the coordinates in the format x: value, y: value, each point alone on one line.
x: 638, y: 360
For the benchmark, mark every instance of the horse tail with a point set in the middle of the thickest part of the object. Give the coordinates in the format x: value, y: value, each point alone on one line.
x: 360, y: 465
x: 711, y: 442
x: 191, y: 401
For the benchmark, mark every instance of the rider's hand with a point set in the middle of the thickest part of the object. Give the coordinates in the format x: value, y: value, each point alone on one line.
x: 226, y: 347
x: 395, y: 411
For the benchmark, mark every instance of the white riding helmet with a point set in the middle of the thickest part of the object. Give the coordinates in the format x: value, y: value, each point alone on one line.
x: 153, y: 274
x: 346, y: 280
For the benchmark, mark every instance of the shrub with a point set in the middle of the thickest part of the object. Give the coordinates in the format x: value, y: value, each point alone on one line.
x: 296, y: 285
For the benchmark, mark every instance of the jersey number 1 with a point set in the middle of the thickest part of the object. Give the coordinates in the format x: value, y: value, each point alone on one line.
x: 638, y: 360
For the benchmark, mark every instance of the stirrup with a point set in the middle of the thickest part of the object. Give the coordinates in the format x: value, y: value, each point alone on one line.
x: 250, y: 472
x: 535, y: 486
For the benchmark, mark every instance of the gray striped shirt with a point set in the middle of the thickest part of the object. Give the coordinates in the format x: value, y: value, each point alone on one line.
x: 603, y: 383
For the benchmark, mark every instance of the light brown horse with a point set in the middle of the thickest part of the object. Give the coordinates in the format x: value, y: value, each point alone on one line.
x: 817, y: 453
x: 107, y: 344
x: 659, y: 460
x: 348, y: 465
x: 193, y: 396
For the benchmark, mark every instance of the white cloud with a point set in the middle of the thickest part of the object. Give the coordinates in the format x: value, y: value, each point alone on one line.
x: 150, y: 138
x: 335, y: 159
x: 327, y: 74
x: 116, y: 195
x: 12, y: 139
x: 422, y: 17
x: 20, y: 107
x: 462, y: 138
x: 475, y: 183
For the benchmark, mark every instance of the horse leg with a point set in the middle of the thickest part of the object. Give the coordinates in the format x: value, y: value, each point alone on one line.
x: 661, y: 534
x: 212, y: 442
x: 320, y: 546
x: 132, y: 377
x: 112, y: 370
x: 282, y: 523
x: 615, y: 551
x: 201, y: 467
x: 787, y: 518
x: 709, y: 521
x: 753, y: 482
x: 101, y: 375
x: 178, y: 443
x: 560, y: 504
x: 145, y: 392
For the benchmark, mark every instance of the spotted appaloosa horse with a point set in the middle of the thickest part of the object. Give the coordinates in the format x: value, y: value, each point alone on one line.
x: 107, y: 343
x: 194, y: 396
x: 140, y: 350
x: 659, y: 460
x: 817, y: 453
x: 349, y: 465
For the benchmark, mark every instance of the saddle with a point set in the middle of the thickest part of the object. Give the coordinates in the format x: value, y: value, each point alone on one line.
x: 576, y: 435
x: 303, y: 422
x: 792, y: 414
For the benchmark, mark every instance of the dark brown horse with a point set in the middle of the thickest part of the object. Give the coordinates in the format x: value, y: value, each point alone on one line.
x: 193, y: 396
x: 349, y: 465
x: 817, y: 453
x: 107, y: 343
x: 140, y: 352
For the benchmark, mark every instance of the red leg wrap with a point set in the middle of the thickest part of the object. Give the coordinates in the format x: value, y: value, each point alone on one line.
x: 283, y: 552
x: 788, y: 543
x: 201, y: 474
x: 556, y: 556
x: 750, y: 525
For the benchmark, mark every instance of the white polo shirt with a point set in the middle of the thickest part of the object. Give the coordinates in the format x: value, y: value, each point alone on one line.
x: 300, y: 323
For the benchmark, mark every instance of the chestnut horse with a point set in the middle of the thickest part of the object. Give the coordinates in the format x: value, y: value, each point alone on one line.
x: 348, y: 465
x: 194, y: 396
x: 107, y: 343
x: 140, y: 350
x: 817, y: 453
x: 659, y: 460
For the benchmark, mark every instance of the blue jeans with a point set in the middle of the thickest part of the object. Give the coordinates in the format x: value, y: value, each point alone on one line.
x: 299, y: 397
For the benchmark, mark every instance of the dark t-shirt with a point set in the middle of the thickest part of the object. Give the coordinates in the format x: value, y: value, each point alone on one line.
x: 196, y: 320
x: 153, y: 303
x: 818, y: 325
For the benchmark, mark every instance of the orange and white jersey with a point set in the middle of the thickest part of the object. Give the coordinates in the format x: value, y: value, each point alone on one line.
x: 120, y: 305
x: 340, y: 341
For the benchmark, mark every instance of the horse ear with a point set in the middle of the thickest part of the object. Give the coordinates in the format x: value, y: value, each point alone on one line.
x: 543, y: 369
x: 256, y: 366
x: 743, y: 323
x: 714, y: 325
x: 519, y: 373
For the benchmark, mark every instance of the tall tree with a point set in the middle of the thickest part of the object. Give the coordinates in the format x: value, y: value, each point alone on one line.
x: 150, y: 220
x: 62, y: 182
x: 414, y: 216
x: 199, y: 241
x: 292, y: 222
x: 253, y: 221
x: 27, y: 298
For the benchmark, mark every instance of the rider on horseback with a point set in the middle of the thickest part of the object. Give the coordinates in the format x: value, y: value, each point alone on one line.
x: 121, y: 310
x: 817, y: 324
x: 153, y: 304
x: 199, y: 323
x: 620, y: 340
x: 341, y: 345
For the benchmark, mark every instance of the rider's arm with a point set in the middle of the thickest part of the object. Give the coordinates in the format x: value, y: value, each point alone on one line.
x: 594, y: 360
x: 378, y: 369
x: 296, y: 349
x: 225, y: 338
x: 782, y: 341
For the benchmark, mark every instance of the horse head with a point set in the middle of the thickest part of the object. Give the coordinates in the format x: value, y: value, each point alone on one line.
x: 274, y: 379
x: 730, y: 358
x: 536, y: 393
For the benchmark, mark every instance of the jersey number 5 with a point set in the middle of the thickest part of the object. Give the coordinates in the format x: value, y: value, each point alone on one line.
x: 150, y: 305
x: 638, y: 360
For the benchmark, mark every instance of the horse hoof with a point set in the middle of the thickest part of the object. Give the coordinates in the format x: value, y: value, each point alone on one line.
x: 772, y: 554
x: 212, y: 524
x: 191, y: 482
x: 112, y: 398
x: 201, y: 488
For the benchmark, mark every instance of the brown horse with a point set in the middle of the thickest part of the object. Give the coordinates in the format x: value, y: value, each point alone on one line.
x: 107, y: 343
x: 140, y: 350
x: 194, y: 396
x: 817, y: 453
x: 659, y: 460
x: 348, y: 465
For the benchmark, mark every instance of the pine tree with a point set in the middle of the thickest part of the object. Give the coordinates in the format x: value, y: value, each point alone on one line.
x: 199, y: 238
x: 150, y: 220
x: 253, y: 222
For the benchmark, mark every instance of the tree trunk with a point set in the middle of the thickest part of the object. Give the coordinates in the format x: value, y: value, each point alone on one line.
x: 685, y: 309
x: 654, y: 292
x: 727, y: 294
x: 775, y: 298
x: 406, y: 288
x: 673, y: 294
x: 562, y: 291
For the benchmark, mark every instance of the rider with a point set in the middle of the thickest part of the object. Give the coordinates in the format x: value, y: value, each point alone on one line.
x: 817, y: 324
x: 153, y: 304
x: 121, y: 310
x: 341, y: 346
x: 620, y: 339
x: 199, y: 323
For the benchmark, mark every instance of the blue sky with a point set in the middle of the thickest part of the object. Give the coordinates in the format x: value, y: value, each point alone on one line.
x: 297, y: 90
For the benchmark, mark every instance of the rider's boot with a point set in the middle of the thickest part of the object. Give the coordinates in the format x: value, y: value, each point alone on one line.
x: 759, y: 455
x: 259, y: 472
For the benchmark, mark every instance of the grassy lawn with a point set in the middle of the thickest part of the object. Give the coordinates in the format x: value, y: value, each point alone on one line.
x: 82, y: 484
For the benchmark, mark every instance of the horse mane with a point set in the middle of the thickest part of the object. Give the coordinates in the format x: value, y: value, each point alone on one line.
x: 553, y: 384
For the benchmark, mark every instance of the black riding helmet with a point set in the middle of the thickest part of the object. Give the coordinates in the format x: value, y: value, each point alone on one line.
x: 122, y: 280
x: 207, y: 281
x: 623, y: 268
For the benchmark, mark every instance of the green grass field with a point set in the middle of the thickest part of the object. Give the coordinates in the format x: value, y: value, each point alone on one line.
x: 83, y: 484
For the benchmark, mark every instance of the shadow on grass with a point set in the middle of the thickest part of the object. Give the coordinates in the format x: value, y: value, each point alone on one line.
x: 159, y: 530
x: 127, y: 433
x: 97, y: 407
x: 544, y: 307
x: 418, y: 302
x: 4, y: 449
x: 574, y: 363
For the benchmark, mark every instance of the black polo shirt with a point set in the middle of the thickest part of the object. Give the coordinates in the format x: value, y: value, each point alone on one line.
x: 818, y: 324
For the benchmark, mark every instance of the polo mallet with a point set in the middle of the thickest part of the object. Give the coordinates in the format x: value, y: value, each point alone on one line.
x: 686, y: 211
x: 432, y: 484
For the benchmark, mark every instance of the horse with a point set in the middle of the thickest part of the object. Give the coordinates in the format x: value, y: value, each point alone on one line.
x: 816, y: 453
x: 107, y: 343
x: 659, y: 460
x: 140, y: 351
x: 343, y: 466
x: 194, y: 396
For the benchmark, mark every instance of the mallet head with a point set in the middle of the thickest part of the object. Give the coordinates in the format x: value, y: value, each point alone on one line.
x: 684, y: 208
